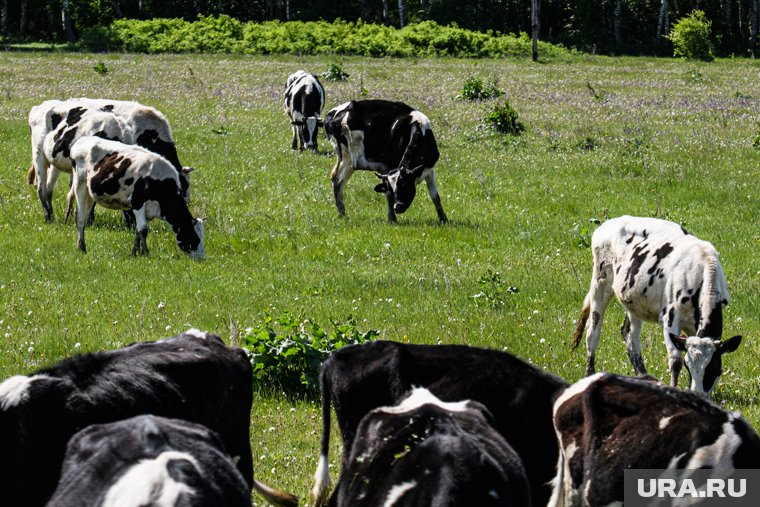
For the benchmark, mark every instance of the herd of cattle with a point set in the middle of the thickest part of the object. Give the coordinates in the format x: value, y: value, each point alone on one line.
x: 167, y: 422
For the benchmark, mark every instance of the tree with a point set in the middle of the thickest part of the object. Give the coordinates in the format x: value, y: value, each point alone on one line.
x: 401, y: 13
x: 535, y: 22
x: 66, y: 19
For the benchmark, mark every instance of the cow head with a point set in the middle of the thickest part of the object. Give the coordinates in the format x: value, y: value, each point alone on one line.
x: 703, y: 359
x: 307, y: 130
x: 402, y: 184
x: 193, y: 245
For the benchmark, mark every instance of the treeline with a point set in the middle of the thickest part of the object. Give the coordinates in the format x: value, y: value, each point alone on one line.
x: 602, y: 26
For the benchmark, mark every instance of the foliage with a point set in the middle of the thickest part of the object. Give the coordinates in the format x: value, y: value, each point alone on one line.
x: 287, y: 352
x: 100, y: 68
x: 335, y: 72
x: 503, y: 118
x: 223, y: 34
x: 582, y: 232
x: 691, y: 37
x: 475, y: 89
x: 756, y: 141
x: 492, y: 291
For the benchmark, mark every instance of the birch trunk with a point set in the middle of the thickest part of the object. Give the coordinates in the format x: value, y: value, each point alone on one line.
x: 401, y: 13
x: 535, y: 23
x: 618, y: 24
x: 68, y: 32
x: 662, y: 20
x: 22, y: 23
x: 386, y: 17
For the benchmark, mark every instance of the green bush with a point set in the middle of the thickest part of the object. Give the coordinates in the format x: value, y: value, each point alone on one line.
x: 492, y: 291
x: 287, y: 352
x: 223, y: 34
x: 475, y: 89
x: 756, y: 141
x: 335, y: 72
x: 503, y: 118
x: 691, y: 37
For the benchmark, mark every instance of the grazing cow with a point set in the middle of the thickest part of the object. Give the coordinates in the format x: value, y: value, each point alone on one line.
x: 660, y: 273
x: 304, y: 101
x: 150, y: 129
x: 192, y: 376
x: 119, y: 176
x: 607, y: 424
x: 149, y: 460
x: 389, y: 138
x: 427, y: 452
x: 360, y: 378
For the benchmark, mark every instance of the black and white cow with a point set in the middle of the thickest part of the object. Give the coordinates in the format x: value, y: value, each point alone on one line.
x: 192, y: 376
x: 55, y: 154
x: 520, y: 397
x: 660, y: 273
x: 424, y: 451
x: 150, y: 129
x: 125, y: 177
x: 607, y: 424
x: 304, y: 101
x: 149, y: 460
x: 389, y: 138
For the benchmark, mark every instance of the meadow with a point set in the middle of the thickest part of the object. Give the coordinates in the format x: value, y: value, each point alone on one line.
x: 603, y: 137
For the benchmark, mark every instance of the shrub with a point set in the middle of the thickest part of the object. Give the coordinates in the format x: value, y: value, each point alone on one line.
x: 756, y: 141
x: 100, y: 68
x: 691, y: 37
x: 475, y: 89
x: 287, y: 352
x: 492, y: 291
x: 503, y: 118
x: 335, y: 72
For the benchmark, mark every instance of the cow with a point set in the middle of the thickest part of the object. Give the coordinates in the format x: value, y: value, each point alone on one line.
x: 125, y: 177
x: 192, y: 376
x: 149, y: 460
x: 608, y: 423
x: 359, y: 378
x: 389, y: 138
x: 659, y: 273
x: 304, y: 101
x: 424, y: 451
x: 150, y: 129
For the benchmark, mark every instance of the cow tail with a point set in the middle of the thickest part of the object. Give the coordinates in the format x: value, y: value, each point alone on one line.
x: 581, y: 326
x: 321, y: 488
x: 31, y: 175
x: 275, y: 496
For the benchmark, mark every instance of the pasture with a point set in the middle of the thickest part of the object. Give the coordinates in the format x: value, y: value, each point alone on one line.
x: 603, y: 137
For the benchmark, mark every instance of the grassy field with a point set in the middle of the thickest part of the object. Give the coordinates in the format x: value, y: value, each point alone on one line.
x: 604, y: 137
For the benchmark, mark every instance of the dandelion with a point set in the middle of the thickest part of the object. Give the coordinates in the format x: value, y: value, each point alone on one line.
x: 168, y: 328
x: 161, y: 304
x: 542, y: 340
x: 30, y: 350
x: 77, y: 345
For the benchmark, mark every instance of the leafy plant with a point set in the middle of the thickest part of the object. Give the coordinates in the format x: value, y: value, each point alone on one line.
x: 503, y: 118
x: 475, y: 89
x: 583, y: 232
x: 691, y: 37
x: 492, y: 291
x: 287, y: 352
x: 335, y: 72
x: 100, y: 68
x: 756, y: 141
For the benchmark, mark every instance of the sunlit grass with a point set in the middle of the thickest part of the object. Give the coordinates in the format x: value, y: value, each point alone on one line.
x: 655, y: 138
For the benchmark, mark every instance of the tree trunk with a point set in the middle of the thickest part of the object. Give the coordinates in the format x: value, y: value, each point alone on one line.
x: 424, y: 8
x: 401, y: 13
x: 662, y: 20
x: 117, y: 9
x: 618, y: 24
x: 287, y: 10
x: 4, y: 18
x: 22, y: 23
x: 386, y: 17
x: 535, y: 23
x: 754, y: 22
x: 68, y: 33
x: 366, y: 10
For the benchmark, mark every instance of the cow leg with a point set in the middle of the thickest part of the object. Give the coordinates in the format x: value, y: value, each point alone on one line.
x: 598, y: 298
x: 141, y: 233
x: 389, y: 197
x: 52, y: 179
x: 41, y: 166
x: 339, y: 176
x: 671, y: 325
x: 433, y: 191
x: 85, y: 203
x: 631, y: 331
x: 294, y: 142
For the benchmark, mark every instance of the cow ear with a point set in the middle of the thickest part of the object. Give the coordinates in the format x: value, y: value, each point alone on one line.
x: 729, y: 345
x: 187, y: 170
x: 679, y: 342
x: 381, y: 188
x: 296, y: 122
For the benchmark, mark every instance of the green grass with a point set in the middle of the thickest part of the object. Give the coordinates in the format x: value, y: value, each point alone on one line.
x: 659, y: 138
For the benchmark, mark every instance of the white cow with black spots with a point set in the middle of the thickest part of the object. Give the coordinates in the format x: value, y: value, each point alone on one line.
x: 304, y: 101
x: 659, y: 273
